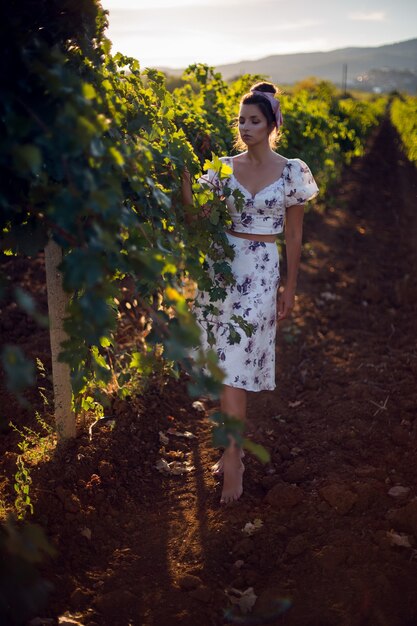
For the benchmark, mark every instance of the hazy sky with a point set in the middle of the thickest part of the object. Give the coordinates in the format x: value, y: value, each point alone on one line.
x: 175, y: 33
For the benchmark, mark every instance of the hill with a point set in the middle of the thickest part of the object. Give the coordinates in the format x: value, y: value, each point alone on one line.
x: 396, y: 61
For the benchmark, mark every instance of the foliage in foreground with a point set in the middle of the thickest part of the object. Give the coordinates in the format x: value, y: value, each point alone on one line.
x: 403, y: 113
x: 92, y: 153
x: 22, y: 590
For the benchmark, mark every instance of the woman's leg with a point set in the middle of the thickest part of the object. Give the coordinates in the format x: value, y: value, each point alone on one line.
x: 233, y: 402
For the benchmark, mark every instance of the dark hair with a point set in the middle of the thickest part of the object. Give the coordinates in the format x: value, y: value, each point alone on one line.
x: 263, y: 103
x: 266, y: 109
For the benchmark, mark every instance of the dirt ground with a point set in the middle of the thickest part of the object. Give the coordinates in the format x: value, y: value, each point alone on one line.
x: 137, y: 547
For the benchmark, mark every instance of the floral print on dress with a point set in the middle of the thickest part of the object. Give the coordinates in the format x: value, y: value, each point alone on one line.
x: 256, y: 271
x: 250, y: 364
x: 264, y: 212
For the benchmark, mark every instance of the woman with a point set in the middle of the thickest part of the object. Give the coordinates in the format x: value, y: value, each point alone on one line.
x: 274, y: 191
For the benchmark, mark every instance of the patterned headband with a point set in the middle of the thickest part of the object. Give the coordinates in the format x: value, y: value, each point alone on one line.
x: 274, y: 102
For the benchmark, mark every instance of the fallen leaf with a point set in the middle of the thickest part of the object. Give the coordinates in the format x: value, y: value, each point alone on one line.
x: 198, y: 406
x: 245, y: 600
x: 175, y: 455
x: 162, y: 465
x: 163, y: 438
x: 186, y: 434
x: 68, y: 620
x: 328, y: 295
x: 248, y: 529
x: 399, y: 539
x: 294, y: 404
x: 398, y: 491
x: 174, y: 467
x: 86, y: 532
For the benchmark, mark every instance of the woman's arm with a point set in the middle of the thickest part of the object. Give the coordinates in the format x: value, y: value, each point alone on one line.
x: 186, y: 190
x: 187, y: 197
x: 293, y: 242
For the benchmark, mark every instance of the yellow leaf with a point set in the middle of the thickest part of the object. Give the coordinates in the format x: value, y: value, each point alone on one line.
x: 173, y: 294
x: 88, y: 91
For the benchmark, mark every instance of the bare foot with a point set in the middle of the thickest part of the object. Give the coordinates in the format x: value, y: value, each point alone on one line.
x: 233, y: 474
x: 217, y: 468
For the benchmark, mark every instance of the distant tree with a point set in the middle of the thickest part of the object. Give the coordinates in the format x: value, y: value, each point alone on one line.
x: 173, y: 82
x: 324, y: 89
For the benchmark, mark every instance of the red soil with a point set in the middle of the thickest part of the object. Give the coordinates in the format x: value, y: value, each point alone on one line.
x: 137, y: 547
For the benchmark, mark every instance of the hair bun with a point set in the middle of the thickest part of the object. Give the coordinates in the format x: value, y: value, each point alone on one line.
x: 265, y: 87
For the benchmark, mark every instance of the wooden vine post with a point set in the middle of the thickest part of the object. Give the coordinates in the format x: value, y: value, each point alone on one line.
x: 58, y: 301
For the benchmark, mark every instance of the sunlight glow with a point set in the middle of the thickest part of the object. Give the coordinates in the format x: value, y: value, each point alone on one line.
x: 177, y: 33
x: 375, y: 16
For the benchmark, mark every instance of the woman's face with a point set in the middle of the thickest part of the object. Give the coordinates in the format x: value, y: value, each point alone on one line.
x: 253, y: 125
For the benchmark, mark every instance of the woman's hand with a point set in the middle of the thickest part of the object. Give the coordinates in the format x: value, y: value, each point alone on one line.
x: 186, y: 190
x: 293, y: 239
x: 187, y: 197
x: 285, y: 303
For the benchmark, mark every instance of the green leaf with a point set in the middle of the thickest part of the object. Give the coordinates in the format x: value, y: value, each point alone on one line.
x: 28, y: 304
x: 226, y: 427
x: 99, y: 358
x: 106, y: 84
x: 27, y: 238
x: 117, y: 156
x: 87, y: 403
x: 124, y: 378
x: 258, y: 450
x: 234, y: 335
x: 141, y: 362
x: 27, y: 158
x: 88, y: 91
x: 220, y: 437
x: 19, y: 370
x: 243, y: 324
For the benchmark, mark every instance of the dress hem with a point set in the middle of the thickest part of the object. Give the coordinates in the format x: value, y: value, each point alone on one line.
x: 246, y: 388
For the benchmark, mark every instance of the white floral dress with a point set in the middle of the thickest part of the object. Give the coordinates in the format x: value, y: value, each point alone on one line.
x: 250, y: 364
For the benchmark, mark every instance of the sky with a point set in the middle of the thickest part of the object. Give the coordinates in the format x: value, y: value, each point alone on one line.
x: 176, y: 33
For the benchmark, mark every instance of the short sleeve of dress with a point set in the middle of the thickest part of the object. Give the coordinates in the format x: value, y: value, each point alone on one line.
x: 211, y: 181
x: 300, y: 185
